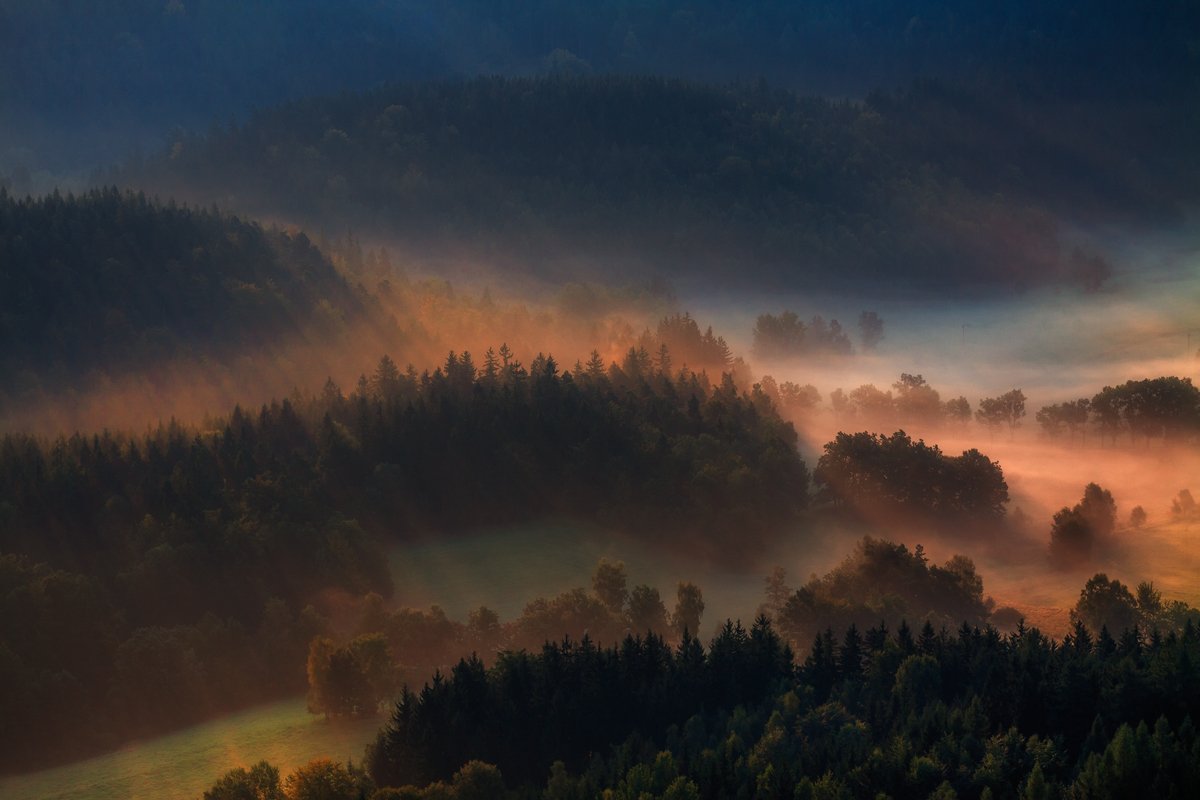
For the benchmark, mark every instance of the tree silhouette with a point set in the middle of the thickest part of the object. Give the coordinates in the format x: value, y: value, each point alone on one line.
x: 689, y: 607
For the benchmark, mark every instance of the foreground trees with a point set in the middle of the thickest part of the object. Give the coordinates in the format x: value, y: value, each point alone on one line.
x: 935, y: 714
x: 525, y: 713
x: 260, y: 782
x: 932, y: 710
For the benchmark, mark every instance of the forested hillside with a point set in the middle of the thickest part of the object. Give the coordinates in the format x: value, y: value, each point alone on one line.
x: 190, y: 61
x: 939, y: 186
x: 183, y: 562
x: 585, y: 229
x: 109, y: 283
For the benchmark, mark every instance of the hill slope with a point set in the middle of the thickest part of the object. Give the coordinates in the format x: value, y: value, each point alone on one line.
x: 109, y: 284
x: 187, y: 62
x: 936, y: 186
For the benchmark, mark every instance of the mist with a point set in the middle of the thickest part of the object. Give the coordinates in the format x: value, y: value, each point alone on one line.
x: 426, y: 319
x: 704, y: 392
x: 1055, y: 345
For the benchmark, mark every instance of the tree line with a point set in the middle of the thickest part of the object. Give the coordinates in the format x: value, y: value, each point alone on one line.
x: 880, y: 582
x: 1165, y: 408
x: 936, y: 713
x: 393, y: 648
x: 913, y: 401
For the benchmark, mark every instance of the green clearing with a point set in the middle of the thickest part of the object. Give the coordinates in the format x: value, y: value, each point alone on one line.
x: 506, y: 567
x: 183, y: 764
x: 501, y: 567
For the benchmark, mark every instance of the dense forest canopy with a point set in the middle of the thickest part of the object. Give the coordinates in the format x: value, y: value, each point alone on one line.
x: 942, y: 187
x: 872, y: 712
x: 934, y: 709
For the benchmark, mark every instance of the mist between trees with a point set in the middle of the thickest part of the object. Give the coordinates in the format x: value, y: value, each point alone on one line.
x: 910, y: 712
x: 879, y: 583
x: 190, y: 562
x: 184, y: 561
x: 194, y: 563
x: 393, y: 649
x: 1163, y: 410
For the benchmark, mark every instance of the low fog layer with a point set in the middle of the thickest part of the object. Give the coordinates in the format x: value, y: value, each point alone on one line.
x: 1055, y: 347
x: 718, y: 471
x: 1054, y: 344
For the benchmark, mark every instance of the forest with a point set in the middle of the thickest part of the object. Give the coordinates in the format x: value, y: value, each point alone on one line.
x: 881, y: 711
x: 551, y: 174
x: 626, y: 399
x: 110, y: 283
x: 251, y: 520
x: 172, y: 62
x: 192, y: 560
x: 188, y: 558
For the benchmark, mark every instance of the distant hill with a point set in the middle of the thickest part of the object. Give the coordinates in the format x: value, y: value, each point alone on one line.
x: 109, y: 283
x: 80, y: 83
x: 937, y: 186
x: 191, y: 60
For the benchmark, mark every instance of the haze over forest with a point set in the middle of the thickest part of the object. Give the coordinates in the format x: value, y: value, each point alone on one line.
x: 667, y: 399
